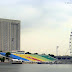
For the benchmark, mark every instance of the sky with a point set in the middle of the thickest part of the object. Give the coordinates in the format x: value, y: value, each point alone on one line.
x: 45, y: 24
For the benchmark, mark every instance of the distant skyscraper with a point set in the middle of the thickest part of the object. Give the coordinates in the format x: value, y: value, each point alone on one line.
x: 9, y: 34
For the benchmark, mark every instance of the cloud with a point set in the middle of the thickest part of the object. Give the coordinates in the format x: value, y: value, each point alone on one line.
x: 44, y: 23
x: 8, y: 2
x: 34, y: 17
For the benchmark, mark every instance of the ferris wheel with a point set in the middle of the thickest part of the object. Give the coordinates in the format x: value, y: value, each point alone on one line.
x: 70, y: 44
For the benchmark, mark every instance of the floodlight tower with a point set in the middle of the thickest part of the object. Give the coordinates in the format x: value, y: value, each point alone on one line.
x: 57, y: 50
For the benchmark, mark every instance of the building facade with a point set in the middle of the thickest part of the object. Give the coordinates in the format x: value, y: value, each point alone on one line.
x: 17, y: 52
x: 9, y: 35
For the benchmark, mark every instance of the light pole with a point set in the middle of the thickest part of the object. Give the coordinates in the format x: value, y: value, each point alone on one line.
x: 57, y: 50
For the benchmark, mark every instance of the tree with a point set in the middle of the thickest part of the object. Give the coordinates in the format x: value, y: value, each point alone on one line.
x: 2, y: 59
x: 0, y: 51
x: 51, y: 55
x: 7, y: 54
x: 27, y: 53
x: 36, y: 53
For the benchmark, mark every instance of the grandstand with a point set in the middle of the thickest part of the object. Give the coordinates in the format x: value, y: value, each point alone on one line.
x: 14, y: 56
x: 48, y: 57
x: 30, y: 57
x: 37, y: 56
